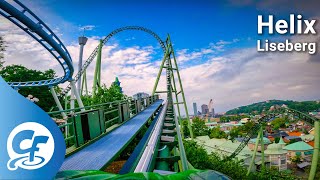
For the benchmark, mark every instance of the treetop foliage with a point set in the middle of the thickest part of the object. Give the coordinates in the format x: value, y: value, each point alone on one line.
x: 257, y: 108
x: 19, y: 73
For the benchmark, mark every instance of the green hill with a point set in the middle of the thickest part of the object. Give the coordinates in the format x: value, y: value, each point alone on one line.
x: 304, y: 106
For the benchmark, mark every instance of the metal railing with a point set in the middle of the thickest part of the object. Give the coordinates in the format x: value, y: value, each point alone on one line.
x: 108, y: 115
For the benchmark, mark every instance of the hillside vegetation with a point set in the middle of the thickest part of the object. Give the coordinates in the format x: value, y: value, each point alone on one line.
x: 257, y: 108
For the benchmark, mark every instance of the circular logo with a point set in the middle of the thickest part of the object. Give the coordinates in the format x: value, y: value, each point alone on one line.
x: 30, y: 146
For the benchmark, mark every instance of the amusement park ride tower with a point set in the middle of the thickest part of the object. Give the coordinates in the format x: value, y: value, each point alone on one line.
x: 82, y: 42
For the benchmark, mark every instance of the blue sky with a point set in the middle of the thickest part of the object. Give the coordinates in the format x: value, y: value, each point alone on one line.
x: 215, y: 44
x: 192, y: 24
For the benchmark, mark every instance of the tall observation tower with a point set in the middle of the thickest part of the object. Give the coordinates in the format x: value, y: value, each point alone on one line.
x: 82, y: 41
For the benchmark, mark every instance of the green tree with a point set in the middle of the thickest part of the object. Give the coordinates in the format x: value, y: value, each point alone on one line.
x: 278, y: 123
x: 296, y: 159
x: 258, y: 108
x: 247, y: 126
x: 199, y: 127
x: 104, y: 94
x: 234, y: 133
x: 185, y: 128
x: 217, y: 133
x: 19, y: 73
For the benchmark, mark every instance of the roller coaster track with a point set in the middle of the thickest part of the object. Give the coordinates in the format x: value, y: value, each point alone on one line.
x: 26, y: 20
x: 268, y: 117
x: 104, y: 41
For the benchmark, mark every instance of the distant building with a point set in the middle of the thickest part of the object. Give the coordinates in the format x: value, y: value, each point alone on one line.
x: 140, y: 95
x: 288, y: 139
x: 252, y: 143
x: 299, y: 149
x: 204, y: 109
x: 311, y: 131
x: 244, y: 120
x: 211, y: 124
x: 212, y: 112
x: 278, y: 134
x: 195, y: 109
x: 277, y: 156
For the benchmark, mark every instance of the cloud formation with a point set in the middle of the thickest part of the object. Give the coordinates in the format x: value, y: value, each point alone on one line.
x: 236, y: 77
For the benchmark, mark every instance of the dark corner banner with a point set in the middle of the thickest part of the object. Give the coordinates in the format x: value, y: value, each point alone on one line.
x: 31, y: 144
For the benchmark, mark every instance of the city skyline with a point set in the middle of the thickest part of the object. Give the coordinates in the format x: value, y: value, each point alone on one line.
x: 218, y: 59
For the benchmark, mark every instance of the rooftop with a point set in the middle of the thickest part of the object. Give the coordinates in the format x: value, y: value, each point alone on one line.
x: 311, y: 143
x: 275, y: 149
x: 297, y: 133
x: 293, y: 137
x: 281, y: 141
x: 281, y: 133
x: 223, y: 147
x: 211, y: 123
x: 298, y: 146
x: 265, y: 140
x: 308, y: 137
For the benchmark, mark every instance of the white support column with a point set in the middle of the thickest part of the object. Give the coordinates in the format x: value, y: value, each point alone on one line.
x: 76, y: 94
x: 72, y: 98
x: 55, y: 97
x: 64, y: 116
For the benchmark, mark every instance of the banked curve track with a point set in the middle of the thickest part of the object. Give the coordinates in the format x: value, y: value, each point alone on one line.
x: 268, y: 117
x: 104, y: 41
x: 26, y: 20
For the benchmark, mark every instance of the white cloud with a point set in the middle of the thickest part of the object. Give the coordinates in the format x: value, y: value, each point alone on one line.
x: 185, y: 55
x: 87, y: 27
x: 240, y: 77
x: 22, y: 49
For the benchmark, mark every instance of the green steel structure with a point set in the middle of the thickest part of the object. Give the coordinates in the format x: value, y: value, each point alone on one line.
x: 169, y: 63
x: 169, y: 154
x: 97, y: 71
x: 100, y: 119
x: 84, y: 85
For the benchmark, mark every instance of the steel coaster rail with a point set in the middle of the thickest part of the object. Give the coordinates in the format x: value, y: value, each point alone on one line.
x: 149, y: 151
x: 26, y: 20
x: 104, y: 41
